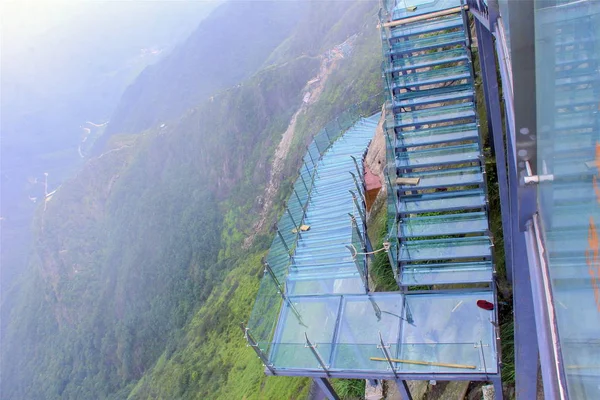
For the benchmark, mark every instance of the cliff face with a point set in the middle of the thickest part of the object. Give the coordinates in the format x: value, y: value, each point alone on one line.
x: 375, y: 158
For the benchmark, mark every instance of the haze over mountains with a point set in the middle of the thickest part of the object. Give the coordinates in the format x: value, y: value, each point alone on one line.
x: 146, y: 259
x: 64, y: 66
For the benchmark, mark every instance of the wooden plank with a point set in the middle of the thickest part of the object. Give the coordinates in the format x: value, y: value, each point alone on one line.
x: 423, y: 17
x: 407, y: 181
x: 436, y: 364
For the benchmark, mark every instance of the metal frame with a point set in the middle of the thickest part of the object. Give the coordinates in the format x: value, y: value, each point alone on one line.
x: 535, y: 338
x: 386, y: 375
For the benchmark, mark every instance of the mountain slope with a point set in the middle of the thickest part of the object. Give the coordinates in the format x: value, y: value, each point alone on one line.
x: 141, y: 276
x: 228, y: 46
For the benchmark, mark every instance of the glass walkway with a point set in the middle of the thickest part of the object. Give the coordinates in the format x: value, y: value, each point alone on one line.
x: 314, y: 315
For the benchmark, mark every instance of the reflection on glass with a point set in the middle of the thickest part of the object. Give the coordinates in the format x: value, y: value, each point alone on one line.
x: 568, y: 102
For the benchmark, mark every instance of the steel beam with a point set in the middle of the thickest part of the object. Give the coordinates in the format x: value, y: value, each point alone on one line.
x: 387, y: 375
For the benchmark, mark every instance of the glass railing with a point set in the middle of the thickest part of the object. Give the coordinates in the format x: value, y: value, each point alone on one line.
x: 272, y: 291
x: 567, y: 41
x: 407, y: 358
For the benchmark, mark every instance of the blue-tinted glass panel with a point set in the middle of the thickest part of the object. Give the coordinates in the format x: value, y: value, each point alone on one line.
x: 568, y: 93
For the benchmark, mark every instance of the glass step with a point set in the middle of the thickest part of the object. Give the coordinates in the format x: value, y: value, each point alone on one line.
x: 444, y: 178
x: 331, y: 268
x: 435, y: 95
x: 442, y: 201
x: 427, y: 43
x: 443, y: 134
x: 435, y: 115
x: 445, y: 249
x: 428, y: 60
x: 420, y: 28
x: 431, y: 77
x: 465, y: 153
x: 323, y: 263
x: 326, y: 286
x: 401, y: 9
x: 446, y: 273
x: 439, y: 225
x: 335, y: 275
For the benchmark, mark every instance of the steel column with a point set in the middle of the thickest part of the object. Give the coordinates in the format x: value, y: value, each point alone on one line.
x: 326, y: 388
x: 487, y: 62
x: 498, y: 392
x: 403, y: 389
x: 525, y: 332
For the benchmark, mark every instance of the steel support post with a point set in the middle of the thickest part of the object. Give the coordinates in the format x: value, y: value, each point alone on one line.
x: 497, y: 382
x: 326, y: 388
x: 487, y: 62
x: 403, y: 389
x: 525, y: 332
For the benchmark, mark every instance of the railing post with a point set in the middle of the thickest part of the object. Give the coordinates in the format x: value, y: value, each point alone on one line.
x: 302, y: 206
x: 281, y: 291
x: 293, y: 222
x: 326, y: 388
x: 393, y: 261
x: 252, y: 343
x: 386, y: 354
x: 360, y: 211
x: 358, y: 188
x: 283, y: 240
x: 303, y: 181
x: 313, y: 349
x: 362, y: 241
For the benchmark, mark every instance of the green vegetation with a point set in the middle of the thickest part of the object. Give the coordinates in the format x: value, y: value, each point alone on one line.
x: 380, y: 269
x: 141, y: 275
x: 349, y: 389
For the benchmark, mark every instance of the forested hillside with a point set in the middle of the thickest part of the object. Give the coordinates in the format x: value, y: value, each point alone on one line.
x: 142, y: 271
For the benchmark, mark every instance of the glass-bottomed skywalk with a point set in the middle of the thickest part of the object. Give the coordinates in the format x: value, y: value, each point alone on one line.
x: 319, y: 318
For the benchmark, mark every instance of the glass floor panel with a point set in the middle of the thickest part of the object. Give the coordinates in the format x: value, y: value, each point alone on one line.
x: 439, y: 274
x: 445, y: 249
x: 429, y: 60
x: 449, y: 329
x: 439, y: 156
x: 442, y: 134
x: 454, y: 21
x: 449, y: 39
x: 444, y: 178
x: 435, y: 115
x: 447, y: 201
x: 404, y: 8
x: 453, y: 224
x: 432, y: 76
x: 445, y: 328
x: 451, y: 93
